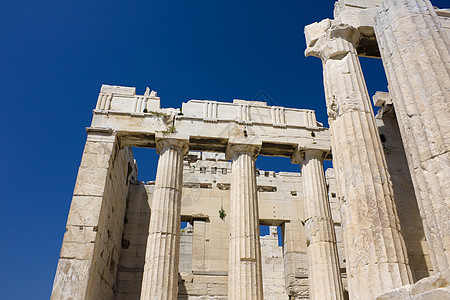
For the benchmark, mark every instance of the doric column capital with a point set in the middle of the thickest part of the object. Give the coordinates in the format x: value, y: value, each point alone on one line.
x: 327, y: 40
x: 178, y: 144
x: 303, y: 154
x: 250, y: 148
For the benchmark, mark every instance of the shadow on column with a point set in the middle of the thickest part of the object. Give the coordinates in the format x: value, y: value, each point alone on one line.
x: 405, y: 199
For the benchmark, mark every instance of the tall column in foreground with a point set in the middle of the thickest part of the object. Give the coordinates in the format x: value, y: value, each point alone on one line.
x: 323, y: 265
x: 415, y: 52
x: 244, y: 269
x: 160, y: 279
x: 376, y: 256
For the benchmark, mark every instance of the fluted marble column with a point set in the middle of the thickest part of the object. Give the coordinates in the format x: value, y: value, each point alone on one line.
x: 244, y: 266
x: 160, y: 279
x: 415, y: 52
x: 323, y: 265
x: 376, y: 256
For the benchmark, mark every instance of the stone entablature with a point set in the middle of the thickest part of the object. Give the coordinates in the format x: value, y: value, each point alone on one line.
x: 250, y: 112
x: 118, y: 99
x: 124, y: 99
x: 280, y: 131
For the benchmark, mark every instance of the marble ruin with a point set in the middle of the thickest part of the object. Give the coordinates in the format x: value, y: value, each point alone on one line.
x: 376, y: 226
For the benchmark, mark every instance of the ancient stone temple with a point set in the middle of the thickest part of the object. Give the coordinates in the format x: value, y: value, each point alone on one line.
x: 376, y: 226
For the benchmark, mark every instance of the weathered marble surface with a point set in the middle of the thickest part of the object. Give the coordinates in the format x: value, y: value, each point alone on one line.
x: 416, y: 57
x: 323, y: 264
x: 91, y: 247
x: 435, y: 287
x: 244, y: 271
x: 405, y: 198
x: 272, y: 266
x: 160, y: 278
x: 377, y: 261
x: 104, y: 249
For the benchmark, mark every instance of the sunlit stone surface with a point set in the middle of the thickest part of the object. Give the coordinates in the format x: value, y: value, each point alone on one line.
x: 374, y: 227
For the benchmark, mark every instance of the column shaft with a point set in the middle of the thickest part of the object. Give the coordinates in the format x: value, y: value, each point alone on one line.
x: 244, y: 271
x: 323, y: 265
x: 160, y: 279
x: 376, y: 255
x: 415, y: 52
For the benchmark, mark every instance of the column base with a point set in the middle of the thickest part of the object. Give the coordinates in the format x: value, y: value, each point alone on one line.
x: 435, y: 287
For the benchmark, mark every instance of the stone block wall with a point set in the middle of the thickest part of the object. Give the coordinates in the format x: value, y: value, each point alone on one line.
x: 111, y: 221
x: 91, y: 247
x: 134, y: 242
x: 295, y: 259
x: 272, y: 267
x: 186, y: 240
x: 213, y: 284
x: 204, y: 242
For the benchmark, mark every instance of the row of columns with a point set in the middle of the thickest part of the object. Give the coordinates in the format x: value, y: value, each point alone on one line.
x: 376, y: 258
x: 160, y: 278
x: 415, y: 52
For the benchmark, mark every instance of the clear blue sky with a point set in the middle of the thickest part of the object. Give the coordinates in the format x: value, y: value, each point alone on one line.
x: 54, y: 56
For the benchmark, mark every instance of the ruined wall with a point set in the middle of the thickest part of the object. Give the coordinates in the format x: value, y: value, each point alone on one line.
x: 295, y: 259
x: 90, y: 252
x: 272, y: 267
x: 103, y: 251
x: 133, y: 244
x: 108, y: 225
x: 186, y: 239
x: 122, y: 224
x: 111, y: 221
x: 206, y: 191
x: 204, y: 242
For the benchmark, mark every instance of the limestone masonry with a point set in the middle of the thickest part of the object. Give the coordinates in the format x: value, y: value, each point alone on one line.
x: 377, y: 226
